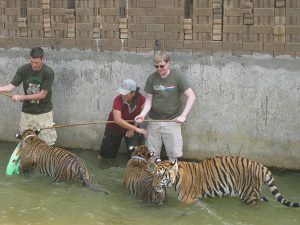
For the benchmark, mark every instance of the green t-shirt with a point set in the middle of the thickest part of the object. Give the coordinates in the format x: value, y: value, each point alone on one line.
x: 166, y: 102
x: 34, y: 82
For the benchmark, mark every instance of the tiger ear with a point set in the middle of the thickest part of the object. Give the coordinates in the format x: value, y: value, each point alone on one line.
x: 151, y: 154
x: 131, y: 148
x: 37, y: 132
x: 156, y: 161
x: 19, y: 136
x: 173, y: 163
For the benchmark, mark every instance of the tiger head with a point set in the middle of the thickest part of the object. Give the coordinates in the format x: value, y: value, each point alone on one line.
x: 164, y: 174
x: 27, y: 133
x: 141, y: 151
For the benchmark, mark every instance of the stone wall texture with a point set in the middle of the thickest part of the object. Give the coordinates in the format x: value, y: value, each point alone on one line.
x: 247, y: 106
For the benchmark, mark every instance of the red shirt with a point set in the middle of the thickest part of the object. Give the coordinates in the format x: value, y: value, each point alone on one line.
x: 125, y: 114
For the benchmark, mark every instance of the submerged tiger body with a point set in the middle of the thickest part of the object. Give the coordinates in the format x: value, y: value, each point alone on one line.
x: 217, y: 177
x: 57, y: 163
x: 138, y: 180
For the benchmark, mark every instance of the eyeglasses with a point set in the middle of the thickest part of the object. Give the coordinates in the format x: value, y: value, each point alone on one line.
x: 159, y: 66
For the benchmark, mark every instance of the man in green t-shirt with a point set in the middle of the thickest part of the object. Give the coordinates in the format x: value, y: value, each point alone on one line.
x: 163, y: 102
x: 37, y: 79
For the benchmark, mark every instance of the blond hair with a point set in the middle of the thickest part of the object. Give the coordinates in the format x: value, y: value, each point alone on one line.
x: 161, y: 56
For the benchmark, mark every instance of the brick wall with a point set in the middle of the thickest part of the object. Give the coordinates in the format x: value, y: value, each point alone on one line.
x: 207, y: 26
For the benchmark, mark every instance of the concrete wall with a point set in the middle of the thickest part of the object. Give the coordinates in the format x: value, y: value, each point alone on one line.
x: 246, y: 106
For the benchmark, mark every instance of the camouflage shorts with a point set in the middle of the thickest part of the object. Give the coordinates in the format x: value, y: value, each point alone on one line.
x: 37, y: 122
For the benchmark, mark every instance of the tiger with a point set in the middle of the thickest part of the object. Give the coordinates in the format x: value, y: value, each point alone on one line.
x: 216, y: 177
x: 55, y: 162
x: 138, y: 180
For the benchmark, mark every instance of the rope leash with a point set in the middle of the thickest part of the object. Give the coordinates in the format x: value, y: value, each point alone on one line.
x: 99, y: 122
x: 8, y: 95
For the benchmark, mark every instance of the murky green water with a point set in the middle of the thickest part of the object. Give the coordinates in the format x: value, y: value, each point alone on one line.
x: 35, y: 200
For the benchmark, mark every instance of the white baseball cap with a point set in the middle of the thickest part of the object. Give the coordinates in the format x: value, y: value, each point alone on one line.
x: 128, y: 86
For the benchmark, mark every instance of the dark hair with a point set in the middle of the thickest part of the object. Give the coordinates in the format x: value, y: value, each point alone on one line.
x: 136, y: 96
x: 37, y: 52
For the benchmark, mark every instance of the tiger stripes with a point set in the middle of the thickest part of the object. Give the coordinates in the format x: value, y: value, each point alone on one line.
x: 55, y: 162
x: 216, y: 177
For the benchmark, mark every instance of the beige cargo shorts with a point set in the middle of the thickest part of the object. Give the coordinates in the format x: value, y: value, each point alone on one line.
x: 168, y: 133
x: 30, y: 121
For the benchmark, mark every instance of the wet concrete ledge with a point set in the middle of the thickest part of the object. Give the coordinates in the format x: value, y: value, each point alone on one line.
x: 247, y: 106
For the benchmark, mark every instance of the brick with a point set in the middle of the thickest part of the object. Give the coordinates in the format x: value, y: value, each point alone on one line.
x: 87, y: 11
x: 35, y: 26
x: 110, y: 27
x: 231, y: 45
x: 292, y: 47
x: 146, y: 4
x: 192, y: 44
x: 187, y: 21
x: 273, y: 47
x: 279, y: 39
x: 232, y: 12
x: 263, y: 29
x: 59, y: 26
x: 174, y: 44
x: 174, y: 12
x: 154, y: 11
x: 12, y: 11
x: 187, y: 26
x: 155, y: 27
x: 145, y: 50
x: 165, y: 3
x: 123, y: 20
x: 279, y: 20
x: 34, y: 12
x: 188, y: 36
x: 111, y: 42
x: 83, y: 44
x: 279, y: 30
x: 294, y: 12
x: 173, y: 28
x: 150, y: 43
x: 232, y: 28
x: 136, y: 12
x: 136, y: 27
x: 252, y: 46
x: 136, y: 43
x: 292, y: 30
x: 146, y: 19
x: 58, y: 12
x: 202, y: 28
x: 32, y: 42
x: 212, y: 45
x: 190, y: 31
x: 293, y: 54
x: 164, y: 19
x: 109, y: 12
x: 164, y: 35
x: 145, y: 35
x: 279, y: 3
x: 264, y: 12
x: 122, y: 25
x: 241, y: 52
x: 124, y: 35
x: 217, y: 37
x: 202, y: 12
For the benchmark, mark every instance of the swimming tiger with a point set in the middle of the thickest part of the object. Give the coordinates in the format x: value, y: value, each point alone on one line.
x: 138, y: 180
x: 58, y: 163
x: 216, y: 177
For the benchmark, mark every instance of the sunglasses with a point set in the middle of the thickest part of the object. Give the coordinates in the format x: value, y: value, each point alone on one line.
x: 159, y: 66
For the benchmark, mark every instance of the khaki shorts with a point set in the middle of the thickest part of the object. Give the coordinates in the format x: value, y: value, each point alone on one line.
x: 30, y: 121
x: 168, y: 133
